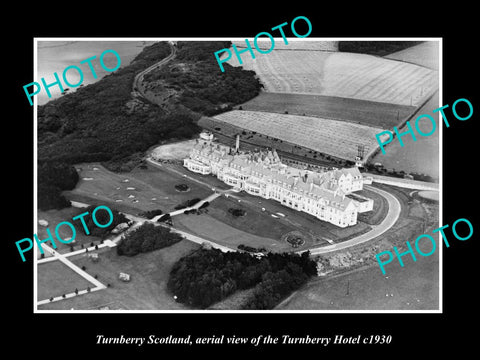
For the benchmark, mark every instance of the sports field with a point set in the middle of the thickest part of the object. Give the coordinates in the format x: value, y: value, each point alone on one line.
x: 337, y: 138
x: 348, y: 75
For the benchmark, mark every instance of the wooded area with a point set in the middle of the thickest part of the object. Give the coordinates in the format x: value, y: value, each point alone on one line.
x: 210, y: 275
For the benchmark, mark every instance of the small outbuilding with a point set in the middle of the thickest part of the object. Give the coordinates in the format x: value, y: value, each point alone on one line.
x: 124, y: 277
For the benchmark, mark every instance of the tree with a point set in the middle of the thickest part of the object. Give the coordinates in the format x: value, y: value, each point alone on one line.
x: 209, y: 275
x: 145, y: 238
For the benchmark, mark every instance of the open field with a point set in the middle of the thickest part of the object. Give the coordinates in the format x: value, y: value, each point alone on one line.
x: 337, y: 138
x: 413, y: 287
x: 349, y: 75
x: 293, y: 44
x: 370, y: 113
x: 424, y: 54
x: 147, y: 289
x: 55, y: 279
x: 421, y: 156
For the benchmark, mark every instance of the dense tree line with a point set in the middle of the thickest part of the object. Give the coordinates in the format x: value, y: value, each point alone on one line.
x: 53, y: 178
x: 147, y: 237
x: 209, y: 275
x: 103, y: 217
x: 204, y: 87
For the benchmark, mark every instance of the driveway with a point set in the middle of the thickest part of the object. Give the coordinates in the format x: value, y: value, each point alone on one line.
x: 394, y: 208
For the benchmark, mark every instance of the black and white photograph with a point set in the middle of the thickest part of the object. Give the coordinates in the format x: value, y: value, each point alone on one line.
x: 199, y: 179
x: 259, y: 187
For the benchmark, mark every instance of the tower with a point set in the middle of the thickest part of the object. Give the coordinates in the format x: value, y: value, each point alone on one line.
x: 237, y: 142
x: 360, y: 155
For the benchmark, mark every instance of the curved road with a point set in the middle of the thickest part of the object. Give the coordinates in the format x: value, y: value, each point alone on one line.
x: 136, y: 86
x: 394, y: 208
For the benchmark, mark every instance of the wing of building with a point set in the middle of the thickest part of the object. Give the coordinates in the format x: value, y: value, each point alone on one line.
x: 326, y: 195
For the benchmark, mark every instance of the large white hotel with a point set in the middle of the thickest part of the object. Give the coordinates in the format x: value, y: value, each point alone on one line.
x: 329, y: 195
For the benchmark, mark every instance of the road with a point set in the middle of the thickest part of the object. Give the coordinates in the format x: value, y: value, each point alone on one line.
x: 377, y: 230
x: 394, y: 208
x: 138, y: 221
x: 136, y: 87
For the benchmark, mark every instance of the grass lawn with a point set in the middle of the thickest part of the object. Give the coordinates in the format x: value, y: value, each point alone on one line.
x: 146, y: 189
x: 212, y: 229
x: 260, y: 229
x: 147, y: 288
x: 254, y: 221
x: 55, y: 279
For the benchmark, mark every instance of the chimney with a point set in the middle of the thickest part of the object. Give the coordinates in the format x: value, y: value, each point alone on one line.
x: 237, y: 142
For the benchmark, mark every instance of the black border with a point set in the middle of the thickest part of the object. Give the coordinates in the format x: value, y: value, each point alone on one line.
x: 412, y: 333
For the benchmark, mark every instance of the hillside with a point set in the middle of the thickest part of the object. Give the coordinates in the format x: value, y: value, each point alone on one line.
x: 344, y: 75
x: 101, y: 122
